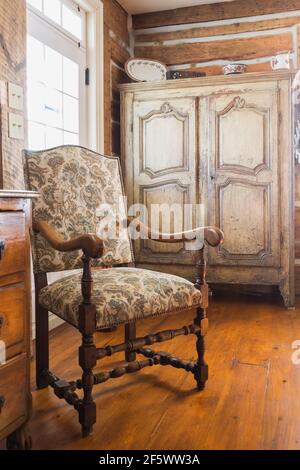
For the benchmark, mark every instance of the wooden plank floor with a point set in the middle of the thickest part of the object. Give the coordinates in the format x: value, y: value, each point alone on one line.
x: 251, y: 400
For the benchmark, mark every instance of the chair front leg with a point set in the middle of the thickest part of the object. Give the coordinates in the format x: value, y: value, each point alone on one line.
x: 87, y: 361
x: 130, y: 334
x: 41, y: 335
x: 87, y: 351
x: 201, y: 367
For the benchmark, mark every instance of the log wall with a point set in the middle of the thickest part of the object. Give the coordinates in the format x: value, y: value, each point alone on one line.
x: 12, y: 69
x: 116, y: 52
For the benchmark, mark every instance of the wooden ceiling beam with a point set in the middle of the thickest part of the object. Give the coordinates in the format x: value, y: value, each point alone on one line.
x: 214, y: 12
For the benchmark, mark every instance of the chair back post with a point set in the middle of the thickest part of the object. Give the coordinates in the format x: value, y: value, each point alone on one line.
x: 200, y: 270
x: 86, y: 280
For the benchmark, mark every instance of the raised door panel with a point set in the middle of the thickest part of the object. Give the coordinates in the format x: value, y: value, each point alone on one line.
x: 243, y: 183
x: 247, y: 152
x: 164, y: 173
x: 166, y: 217
x: 235, y: 202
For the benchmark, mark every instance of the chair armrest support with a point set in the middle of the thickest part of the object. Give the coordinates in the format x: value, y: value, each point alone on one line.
x: 89, y: 243
x: 213, y: 236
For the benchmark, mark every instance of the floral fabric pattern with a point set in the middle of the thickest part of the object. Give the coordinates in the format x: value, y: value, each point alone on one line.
x: 121, y: 295
x: 79, y: 190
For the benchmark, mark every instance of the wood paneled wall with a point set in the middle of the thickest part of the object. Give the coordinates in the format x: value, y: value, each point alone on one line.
x: 12, y: 69
x: 116, y: 52
x: 205, y: 37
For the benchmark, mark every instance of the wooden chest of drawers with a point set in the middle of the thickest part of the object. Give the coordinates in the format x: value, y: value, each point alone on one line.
x: 15, y: 322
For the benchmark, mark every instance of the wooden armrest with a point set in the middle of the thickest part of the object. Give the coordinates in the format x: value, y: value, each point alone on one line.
x: 212, y: 235
x: 91, y: 244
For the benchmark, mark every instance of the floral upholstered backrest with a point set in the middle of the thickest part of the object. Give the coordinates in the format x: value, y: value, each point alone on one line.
x: 80, y: 192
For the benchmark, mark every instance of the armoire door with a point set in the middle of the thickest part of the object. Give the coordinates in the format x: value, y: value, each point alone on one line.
x: 243, y: 187
x: 164, y: 164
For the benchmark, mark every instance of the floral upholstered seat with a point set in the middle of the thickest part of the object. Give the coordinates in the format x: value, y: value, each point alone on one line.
x: 121, y: 295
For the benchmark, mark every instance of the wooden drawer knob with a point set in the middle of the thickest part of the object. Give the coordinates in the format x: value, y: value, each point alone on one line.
x: 2, y: 247
x: 2, y: 402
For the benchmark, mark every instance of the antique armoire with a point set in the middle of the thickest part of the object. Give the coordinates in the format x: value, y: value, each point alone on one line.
x: 224, y: 142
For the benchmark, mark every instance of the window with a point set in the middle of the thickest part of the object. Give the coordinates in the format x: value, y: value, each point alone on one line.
x: 64, y: 13
x: 56, y: 61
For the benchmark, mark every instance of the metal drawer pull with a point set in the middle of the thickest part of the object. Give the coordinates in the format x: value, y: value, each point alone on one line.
x: 2, y: 247
x: 2, y: 402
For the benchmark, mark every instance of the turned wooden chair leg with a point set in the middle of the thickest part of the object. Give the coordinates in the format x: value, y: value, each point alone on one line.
x: 42, y: 334
x: 87, y: 351
x: 87, y: 361
x: 130, y: 334
x: 201, y: 367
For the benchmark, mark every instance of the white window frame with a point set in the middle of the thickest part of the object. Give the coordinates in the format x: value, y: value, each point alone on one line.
x: 93, y: 131
x: 95, y: 63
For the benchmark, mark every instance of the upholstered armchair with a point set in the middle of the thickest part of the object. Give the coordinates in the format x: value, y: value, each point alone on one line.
x: 78, y: 190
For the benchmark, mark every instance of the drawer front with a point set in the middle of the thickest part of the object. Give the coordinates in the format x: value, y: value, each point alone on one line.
x: 13, y: 392
x: 12, y: 319
x: 12, y: 242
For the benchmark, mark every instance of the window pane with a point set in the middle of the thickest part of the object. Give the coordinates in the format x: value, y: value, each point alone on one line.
x: 52, y: 9
x: 54, y: 137
x: 36, y: 102
x: 53, y: 108
x: 71, y: 78
x: 71, y: 114
x: 35, y: 59
x: 71, y: 139
x: 53, y: 69
x: 72, y: 22
x: 36, y: 4
x: 36, y: 136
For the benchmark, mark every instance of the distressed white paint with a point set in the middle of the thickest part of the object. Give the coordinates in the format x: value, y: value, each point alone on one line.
x: 260, y: 60
x: 223, y: 37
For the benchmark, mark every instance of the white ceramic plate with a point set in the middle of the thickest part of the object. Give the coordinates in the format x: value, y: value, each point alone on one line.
x: 145, y: 70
